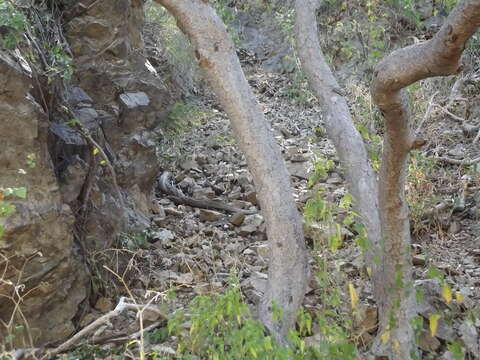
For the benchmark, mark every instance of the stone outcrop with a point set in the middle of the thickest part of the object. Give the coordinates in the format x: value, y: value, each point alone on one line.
x: 122, y: 103
x: 130, y: 104
x: 39, y: 268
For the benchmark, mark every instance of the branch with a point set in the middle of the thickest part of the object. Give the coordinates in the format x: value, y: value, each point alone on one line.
x: 465, y: 162
x: 89, y: 329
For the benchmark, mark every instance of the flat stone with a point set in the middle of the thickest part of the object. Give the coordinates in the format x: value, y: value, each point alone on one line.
x: 104, y: 304
x: 77, y: 95
x: 263, y: 250
x: 133, y: 100
x: 427, y: 342
x: 237, y: 219
x: 210, y: 215
x: 419, y: 260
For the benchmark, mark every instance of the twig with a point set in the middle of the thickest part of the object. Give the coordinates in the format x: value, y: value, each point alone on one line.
x: 455, y: 90
x: 476, y: 138
x: 455, y: 117
x: 121, y: 307
x: 107, y: 162
x: 458, y: 162
x: 135, y: 335
x: 426, y: 115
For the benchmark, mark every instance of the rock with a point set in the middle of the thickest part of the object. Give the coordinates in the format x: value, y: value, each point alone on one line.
x: 248, y: 252
x: 88, y: 117
x: 162, y: 235
x: 42, y: 227
x: 334, y: 179
x: 210, y: 215
x: 237, y: 219
x: 349, y: 268
x: 189, y: 164
x: 76, y: 94
x: 320, y: 231
x: 251, y: 224
x: 469, y: 335
x: 187, y: 184
x: 419, y: 260
x: 158, y: 209
x: 263, y: 251
x: 134, y: 99
x: 454, y: 227
x: 428, y: 343
x: 298, y: 169
x: 251, y: 197
x: 365, y: 323
x: 104, y: 304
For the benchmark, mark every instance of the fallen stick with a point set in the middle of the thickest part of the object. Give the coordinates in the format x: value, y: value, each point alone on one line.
x: 121, y: 307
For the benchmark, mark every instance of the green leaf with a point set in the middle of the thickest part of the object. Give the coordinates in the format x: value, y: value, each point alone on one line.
x: 20, y: 192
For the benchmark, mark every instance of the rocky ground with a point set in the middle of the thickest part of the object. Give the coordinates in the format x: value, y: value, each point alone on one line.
x: 195, y: 250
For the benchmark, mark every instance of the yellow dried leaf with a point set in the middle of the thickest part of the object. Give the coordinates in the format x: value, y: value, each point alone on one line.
x: 385, y: 336
x: 95, y: 151
x: 353, y: 295
x: 433, y: 320
x: 447, y: 293
x: 369, y: 271
x: 459, y: 296
x: 396, y: 346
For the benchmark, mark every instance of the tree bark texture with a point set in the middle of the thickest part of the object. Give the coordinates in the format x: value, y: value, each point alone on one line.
x: 384, y: 209
x: 216, y: 55
x: 341, y: 131
x: 439, y: 56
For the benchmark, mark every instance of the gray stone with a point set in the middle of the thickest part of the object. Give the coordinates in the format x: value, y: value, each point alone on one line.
x: 76, y: 95
x: 133, y: 100
x: 210, y: 215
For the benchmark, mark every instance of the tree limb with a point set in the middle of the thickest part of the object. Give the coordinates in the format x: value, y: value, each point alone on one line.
x: 439, y: 56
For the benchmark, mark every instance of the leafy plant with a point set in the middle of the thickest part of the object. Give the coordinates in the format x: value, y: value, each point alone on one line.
x: 222, y: 327
x: 13, y: 24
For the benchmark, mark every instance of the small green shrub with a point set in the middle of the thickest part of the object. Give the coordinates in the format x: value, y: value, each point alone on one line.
x: 221, y: 327
x: 12, y: 23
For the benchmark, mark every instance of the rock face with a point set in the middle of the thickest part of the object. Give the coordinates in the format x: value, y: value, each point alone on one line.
x: 37, y: 250
x: 122, y: 105
x: 130, y: 105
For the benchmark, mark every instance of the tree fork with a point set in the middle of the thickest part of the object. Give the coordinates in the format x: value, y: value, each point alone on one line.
x: 288, y: 267
x: 439, y: 56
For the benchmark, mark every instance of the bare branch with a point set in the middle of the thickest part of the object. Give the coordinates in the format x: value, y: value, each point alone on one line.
x: 122, y: 306
x: 464, y: 162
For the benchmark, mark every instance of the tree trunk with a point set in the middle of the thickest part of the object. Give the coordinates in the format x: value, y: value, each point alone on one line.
x: 388, y: 229
x: 341, y: 130
x: 216, y: 55
x: 439, y: 56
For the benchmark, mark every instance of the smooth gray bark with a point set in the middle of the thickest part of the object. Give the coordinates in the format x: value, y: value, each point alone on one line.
x: 385, y: 217
x: 216, y: 55
x: 439, y: 56
x: 361, y: 178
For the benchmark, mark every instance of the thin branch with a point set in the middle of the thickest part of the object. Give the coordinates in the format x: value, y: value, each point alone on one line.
x: 476, y: 138
x: 426, y: 115
x: 453, y: 116
x: 464, y: 162
x: 89, y: 329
